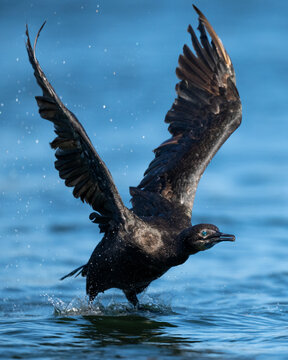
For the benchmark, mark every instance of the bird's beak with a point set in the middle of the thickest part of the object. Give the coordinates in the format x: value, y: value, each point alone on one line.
x: 216, y: 238
x: 226, y: 237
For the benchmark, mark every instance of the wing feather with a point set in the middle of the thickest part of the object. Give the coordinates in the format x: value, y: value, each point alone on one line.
x: 77, y: 160
x: 205, y: 113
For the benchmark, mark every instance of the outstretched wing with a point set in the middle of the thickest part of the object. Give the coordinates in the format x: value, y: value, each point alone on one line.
x: 77, y: 160
x: 205, y: 113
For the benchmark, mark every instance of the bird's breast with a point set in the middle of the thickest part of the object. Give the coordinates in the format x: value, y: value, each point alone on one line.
x: 149, y: 240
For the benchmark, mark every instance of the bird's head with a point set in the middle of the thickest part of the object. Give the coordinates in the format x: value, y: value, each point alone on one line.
x: 202, y: 237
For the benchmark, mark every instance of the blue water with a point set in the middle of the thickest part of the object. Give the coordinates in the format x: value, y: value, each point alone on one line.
x: 113, y: 63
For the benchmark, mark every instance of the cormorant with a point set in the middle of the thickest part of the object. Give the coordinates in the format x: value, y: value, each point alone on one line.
x: 141, y: 244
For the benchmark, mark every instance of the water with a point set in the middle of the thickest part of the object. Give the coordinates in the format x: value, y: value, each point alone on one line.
x: 113, y: 63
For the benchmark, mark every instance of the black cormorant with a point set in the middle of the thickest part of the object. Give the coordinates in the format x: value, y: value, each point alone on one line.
x: 141, y: 244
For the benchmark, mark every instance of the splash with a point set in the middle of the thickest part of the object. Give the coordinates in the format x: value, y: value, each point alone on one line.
x: 82, y: 306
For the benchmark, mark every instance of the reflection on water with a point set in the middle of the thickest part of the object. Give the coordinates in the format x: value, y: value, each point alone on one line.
x: 113, y: 63
x: 122, y: 330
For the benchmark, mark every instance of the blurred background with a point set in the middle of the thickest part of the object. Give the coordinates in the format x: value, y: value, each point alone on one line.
x: 113, y: 64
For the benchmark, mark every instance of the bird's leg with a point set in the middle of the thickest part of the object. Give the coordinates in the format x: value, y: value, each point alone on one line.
x: 91, y: 298
x: 131, y: 297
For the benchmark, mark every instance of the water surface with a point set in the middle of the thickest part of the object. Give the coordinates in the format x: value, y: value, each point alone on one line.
x: 113, y: 64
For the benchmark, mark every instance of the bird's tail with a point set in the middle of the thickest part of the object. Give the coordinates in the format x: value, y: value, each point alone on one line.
x: 80, y: 270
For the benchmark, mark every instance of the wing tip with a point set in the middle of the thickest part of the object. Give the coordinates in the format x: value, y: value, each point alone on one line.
x: 28, y: 42
x: 27, y: 31
x: 198, y: 11
x: 214, y: 36
x: 37, y: 36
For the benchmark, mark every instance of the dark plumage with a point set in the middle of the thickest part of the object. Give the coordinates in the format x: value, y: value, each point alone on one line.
x: 141, y: 244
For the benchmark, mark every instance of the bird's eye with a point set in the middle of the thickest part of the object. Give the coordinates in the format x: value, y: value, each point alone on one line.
x: 204, y: 233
